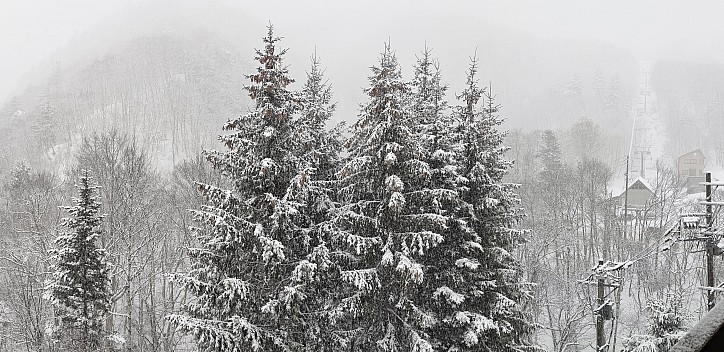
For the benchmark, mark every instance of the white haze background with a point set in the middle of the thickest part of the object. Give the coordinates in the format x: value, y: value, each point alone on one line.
x: 31, y: 30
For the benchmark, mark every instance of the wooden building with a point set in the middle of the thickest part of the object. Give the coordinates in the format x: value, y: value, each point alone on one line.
x: 691, y: 164
x: 639, y: 194
x: 690, y: 167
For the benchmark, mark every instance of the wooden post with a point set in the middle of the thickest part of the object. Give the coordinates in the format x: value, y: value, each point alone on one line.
x: 709, y: 246
x: 600, y: 335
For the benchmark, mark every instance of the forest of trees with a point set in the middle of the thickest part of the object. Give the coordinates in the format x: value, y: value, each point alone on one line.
x: 398, y: 237
x: 411, y: 229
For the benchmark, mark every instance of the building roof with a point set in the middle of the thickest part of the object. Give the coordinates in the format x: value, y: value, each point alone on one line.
x: 637, y: 184
x: 695, y: 151
x: 706, y: 335
x: 645, y: 183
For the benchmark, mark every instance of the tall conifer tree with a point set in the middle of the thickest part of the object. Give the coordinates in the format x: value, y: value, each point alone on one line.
x: 254, y: 268
x: 79, y: 288
x: 383, y: 233
x: 45, y: 125
x: 320, y: 147
x: 479, y: 287
x: 428, y: 93
x: 433, y: 125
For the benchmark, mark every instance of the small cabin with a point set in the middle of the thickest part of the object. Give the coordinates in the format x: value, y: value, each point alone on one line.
x: 691, y: 164
x: 639, y: 194
x: 690, y: 167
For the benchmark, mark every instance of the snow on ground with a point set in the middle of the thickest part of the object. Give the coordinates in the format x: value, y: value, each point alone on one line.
x: 649, y: 137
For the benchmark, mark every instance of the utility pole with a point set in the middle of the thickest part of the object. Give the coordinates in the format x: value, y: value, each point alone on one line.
x: 603, y: 277
x: 646, y: 90
x: 625, y: 199
x: 600, y: 336
x: 709, y: 245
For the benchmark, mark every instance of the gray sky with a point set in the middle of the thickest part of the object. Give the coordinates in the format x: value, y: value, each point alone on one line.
x: 31, y: 30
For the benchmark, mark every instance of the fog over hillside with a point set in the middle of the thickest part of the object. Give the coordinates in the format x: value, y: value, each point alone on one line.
x: 388, y: 176
x: 522, y: 66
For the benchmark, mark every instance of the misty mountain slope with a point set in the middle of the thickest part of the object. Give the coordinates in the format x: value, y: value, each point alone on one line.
x: 170, y: 92
x: 690, y: 101
x: 152, y: 18
x: 171, y: 73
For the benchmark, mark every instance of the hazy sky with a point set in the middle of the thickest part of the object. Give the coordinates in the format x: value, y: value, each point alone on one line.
x: 30, y: 30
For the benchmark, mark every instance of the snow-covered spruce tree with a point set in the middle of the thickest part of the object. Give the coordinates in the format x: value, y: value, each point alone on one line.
x: 320, y: 159
x: 429, y: 107
x: 320, y: 147
x: 383, y: 233
x: 551, y: 190
x: 478, y: 287
x: 253, y: 267
x: 435, y: 127
x: 79, y: 288
x: 44, y: 126
x: 550, y: 155
x: 666, y: 327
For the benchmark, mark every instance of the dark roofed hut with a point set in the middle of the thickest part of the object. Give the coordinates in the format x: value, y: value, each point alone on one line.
x: 639, y: 195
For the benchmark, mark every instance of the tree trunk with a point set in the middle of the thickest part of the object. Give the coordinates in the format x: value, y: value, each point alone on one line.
x: 129, y: 306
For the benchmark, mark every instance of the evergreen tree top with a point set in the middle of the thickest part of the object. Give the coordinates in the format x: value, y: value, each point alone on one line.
x: 386, y: 88
x: 85, y: 210
x: 386, y: 108
x: 424, y: 75
x: 473, y: 92
x: 269, y: 88
x: 550, y: 152
x: 317, y: 96
x: 260, y: 156
x: 428, y: 91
